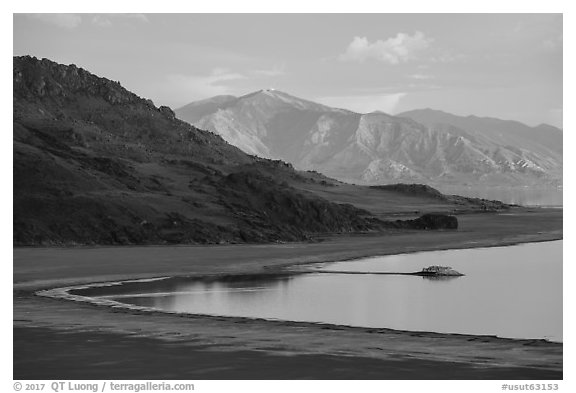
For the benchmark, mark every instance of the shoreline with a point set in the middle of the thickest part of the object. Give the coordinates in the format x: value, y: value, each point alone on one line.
x: 466, y: 247
x: 283, y: 338
x: 273, y: 267
x: 63, y: 293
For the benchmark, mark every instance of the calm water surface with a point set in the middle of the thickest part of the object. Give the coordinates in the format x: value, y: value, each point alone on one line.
x: 527, y: 196
x: 511, y: 291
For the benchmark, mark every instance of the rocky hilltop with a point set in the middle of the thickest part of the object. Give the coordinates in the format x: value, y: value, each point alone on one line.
x: 376, y: 148
x: 96, y: 164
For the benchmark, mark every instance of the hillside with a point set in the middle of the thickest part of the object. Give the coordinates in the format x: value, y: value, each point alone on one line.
x: 96, y: 164
x: 377, y: 148
x: 542, y: 139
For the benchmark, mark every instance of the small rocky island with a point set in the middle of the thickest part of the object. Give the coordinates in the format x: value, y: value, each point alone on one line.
x: 430, y: 272
x: 438, y: 271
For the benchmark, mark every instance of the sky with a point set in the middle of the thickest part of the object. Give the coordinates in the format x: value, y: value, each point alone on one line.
x: 507, y: 66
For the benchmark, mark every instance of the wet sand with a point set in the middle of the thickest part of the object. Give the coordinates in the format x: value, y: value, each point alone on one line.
x: 120, y: 343
x: 115, y: 356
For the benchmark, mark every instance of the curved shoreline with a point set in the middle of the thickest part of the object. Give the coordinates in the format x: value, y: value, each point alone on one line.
x: 46, y: 269
x: 472, y: 245
x: 284, y: 322
x: 63, y: 293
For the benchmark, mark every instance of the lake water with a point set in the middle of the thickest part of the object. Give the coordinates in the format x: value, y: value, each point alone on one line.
x: 527, y: 196
x: 511, y: 292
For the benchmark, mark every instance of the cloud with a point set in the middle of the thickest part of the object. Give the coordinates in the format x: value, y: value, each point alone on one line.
x: 553, y: 43
x: 101, y: 21
x: 192, y: 87
x: 421, y: 77
x: 139, y: 17
x: 447, y: 58
x: 365, y: 103
x: 220, y: 74
x: 422, y: 86
x: 219, y: 81
x: 275, y: 71
x: 394, y: 50
x: 66, y: 21
x: 105, y: 20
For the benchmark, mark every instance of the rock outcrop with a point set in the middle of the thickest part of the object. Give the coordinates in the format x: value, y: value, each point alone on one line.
x: 438, y: 271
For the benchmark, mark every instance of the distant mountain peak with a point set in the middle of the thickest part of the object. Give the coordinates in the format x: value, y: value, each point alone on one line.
x: 218, y: 98
x: 272, y: 93
x: 443, y: 115
x: 425, y: 110
x: 547, y: 127
x: 546, y: 140
x: 379, y: 112
x: 424, y: 145
x: 271, y: 96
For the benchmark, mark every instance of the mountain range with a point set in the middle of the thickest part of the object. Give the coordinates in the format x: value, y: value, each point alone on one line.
x: 426, y: 146
x: 94, y: 163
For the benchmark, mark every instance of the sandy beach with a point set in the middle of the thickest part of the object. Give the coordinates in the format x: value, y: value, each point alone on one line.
x: 71, y: 340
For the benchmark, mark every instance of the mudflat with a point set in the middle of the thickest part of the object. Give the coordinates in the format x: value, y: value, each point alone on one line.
x: 72, y: 340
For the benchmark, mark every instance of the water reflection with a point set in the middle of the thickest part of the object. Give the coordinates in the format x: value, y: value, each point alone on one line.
x: 507, y: 291
x: 203, y: 295
x: 173, y: 285
x: 439, y: 278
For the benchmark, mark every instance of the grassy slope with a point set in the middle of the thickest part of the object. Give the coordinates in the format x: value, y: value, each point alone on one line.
x: 96, y: 164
